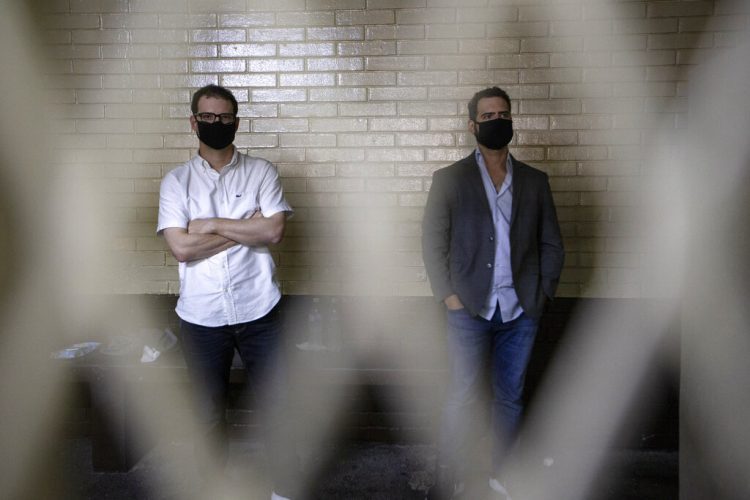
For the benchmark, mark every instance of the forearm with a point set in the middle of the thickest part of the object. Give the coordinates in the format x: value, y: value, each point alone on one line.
x: 189, y: 247
x: 255, y: 231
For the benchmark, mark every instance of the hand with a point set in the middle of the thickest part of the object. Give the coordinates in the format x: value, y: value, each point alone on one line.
x: 453, y: 303
x: 201, y: 226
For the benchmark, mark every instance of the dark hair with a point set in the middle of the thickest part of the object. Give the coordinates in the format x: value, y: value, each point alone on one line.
x: 213, y: 91
x: 490, y: 92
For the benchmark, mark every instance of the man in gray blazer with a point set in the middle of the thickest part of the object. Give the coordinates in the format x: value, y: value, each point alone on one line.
x: 493, y: 252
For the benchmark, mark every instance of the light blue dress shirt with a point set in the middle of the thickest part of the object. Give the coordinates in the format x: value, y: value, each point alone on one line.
x: 501, y: 202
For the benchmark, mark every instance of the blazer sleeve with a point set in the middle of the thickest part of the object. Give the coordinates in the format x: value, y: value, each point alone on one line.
x: 551, y: 252
x: 436, y: 229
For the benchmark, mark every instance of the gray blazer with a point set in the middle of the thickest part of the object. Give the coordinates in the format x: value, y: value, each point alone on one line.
x: 458, y: 237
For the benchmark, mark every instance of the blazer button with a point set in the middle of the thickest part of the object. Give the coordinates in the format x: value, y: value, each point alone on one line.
x: 492, y: 238
x: 489, y: 265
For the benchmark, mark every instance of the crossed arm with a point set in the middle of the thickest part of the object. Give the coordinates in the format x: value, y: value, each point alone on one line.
x: 206, y: 237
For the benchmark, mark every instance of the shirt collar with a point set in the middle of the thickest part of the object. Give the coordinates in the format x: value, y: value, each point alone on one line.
x: 508, y: 182
x: 207, y: 167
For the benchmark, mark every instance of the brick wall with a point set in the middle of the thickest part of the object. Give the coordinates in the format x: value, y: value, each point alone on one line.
x: 357, y: 102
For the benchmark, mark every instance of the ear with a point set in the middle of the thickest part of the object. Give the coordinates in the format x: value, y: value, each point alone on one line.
x: 236, y: 124
x: 472, y: 127
x: 193, y: 123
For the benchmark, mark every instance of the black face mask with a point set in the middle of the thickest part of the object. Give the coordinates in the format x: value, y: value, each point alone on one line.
x: 216, y: 135
x: 494, y: 134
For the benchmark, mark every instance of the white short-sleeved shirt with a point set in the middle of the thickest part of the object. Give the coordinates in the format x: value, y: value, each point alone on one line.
x: 239, y: 284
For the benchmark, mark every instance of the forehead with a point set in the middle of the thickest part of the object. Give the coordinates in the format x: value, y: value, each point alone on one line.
x: 491, y: 104
x: 214, y: 105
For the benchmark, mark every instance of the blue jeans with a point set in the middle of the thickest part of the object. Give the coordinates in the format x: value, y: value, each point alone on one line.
x: 474, y: 346
x: 208, y: 354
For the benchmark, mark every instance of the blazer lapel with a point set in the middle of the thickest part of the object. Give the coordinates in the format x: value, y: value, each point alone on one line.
x: 476, y: 186
x: 518, y: 185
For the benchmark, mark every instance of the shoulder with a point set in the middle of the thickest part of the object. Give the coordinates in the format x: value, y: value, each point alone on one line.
x: 179, y: 174
x: 256, y: 164
x: 458, y: 168
x: 527, y: 171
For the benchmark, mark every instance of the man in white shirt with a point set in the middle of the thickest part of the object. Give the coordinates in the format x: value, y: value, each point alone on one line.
x: 218, y: 213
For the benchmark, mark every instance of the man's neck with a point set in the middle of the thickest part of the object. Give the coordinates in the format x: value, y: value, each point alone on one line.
x: 495, y: 159
x: 217, y: 158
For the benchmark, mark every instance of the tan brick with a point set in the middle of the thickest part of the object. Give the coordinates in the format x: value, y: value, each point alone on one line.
x: 431, y: 140
x: 518, y: 61
x: 370, y: 169
x: 731, y: 7
x: 278, y: 95
x: 248, y: 50
x: 425, y: 16
x: 306, y: 49
x: 367, y: 79
x: 680, y: 9
x: 367, y: 109
x: 394, y: 63
x: 100, y: 36
x: 336, y: 33
x: 455, y: 62
x: 244, y: 20
x: 577, y: 153
x: 337, y: 94
x: 365, y: 140
x: 426, y: 108
x: 159, y: 36
x: 321, y: 18
x: 395, y: 32
x: 308, y: 110
x: 130, y: 20
x: 370, y: 48
x: 447, y: 154
x: 98, y: 6
x: 453, y: 31
x: 588, y: 27
x: 650, y: 58
x: 307, y: 80
x: 498, y: 45
x: 552, y: 44
x: 614, y: 75
x: 428, y: 78
x: 218, y: 35
x: 551, y: 106
x: 396, y: 154
x: 187, y: 21
x: 308, y: 140
x: 552, y: 138
x: 606, y: 10
x: 498, y: 11
x: 338, y: 124
x: 335, y: 154
x: 678, y: 41
x: 486, y: 78
x: 71, y: 21
x: 397, y: 94
x: 550, y: 12
x: 335, y: 64
x: 398, y: 124
x: 261, y: 35
x: 613, y: 105
x: 580, y: 122
x: 556, y: 75
x: 366, y: 17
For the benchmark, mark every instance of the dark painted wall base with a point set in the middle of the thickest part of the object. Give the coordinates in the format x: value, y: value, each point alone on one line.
x: 389, y: 351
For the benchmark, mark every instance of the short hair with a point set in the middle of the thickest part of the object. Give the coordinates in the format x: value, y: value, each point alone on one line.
x: 216, y: 91
x: 490, y: 92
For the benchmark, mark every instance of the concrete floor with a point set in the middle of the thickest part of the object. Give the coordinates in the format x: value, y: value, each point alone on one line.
x: 356, y: 471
